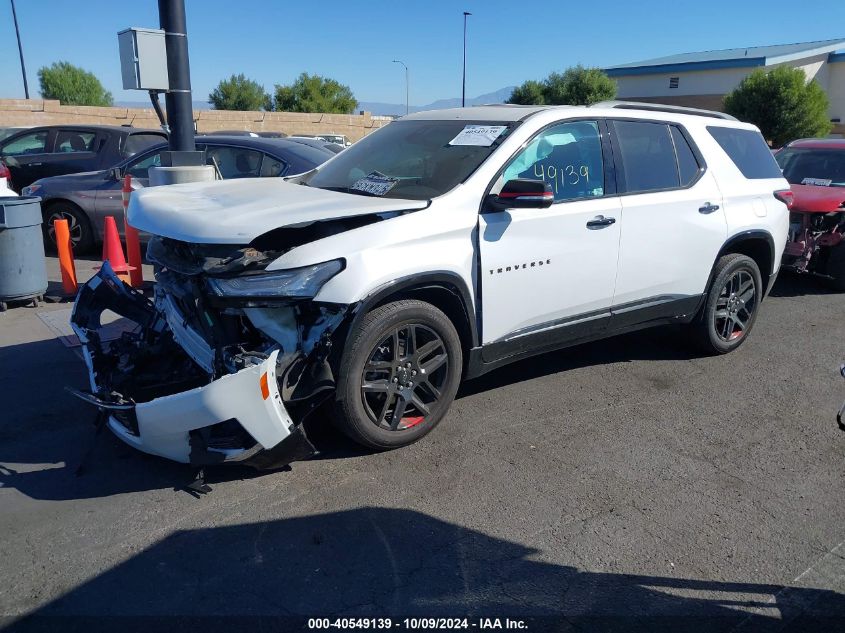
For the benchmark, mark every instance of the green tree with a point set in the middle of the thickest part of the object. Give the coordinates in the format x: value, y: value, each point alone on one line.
x: 531, y: 92
x: 579, y: 86
x: 72, y: 85
x: 313, y: 93
x: 782, y: 104
x: 575, y: 86
x: 239, y: 93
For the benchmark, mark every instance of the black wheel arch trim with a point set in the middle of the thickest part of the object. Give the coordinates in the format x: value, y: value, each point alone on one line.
x: 442, y: 280
x: 746, y: 236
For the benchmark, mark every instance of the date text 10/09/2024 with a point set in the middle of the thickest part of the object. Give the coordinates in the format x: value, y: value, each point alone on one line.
x: 435, y: 624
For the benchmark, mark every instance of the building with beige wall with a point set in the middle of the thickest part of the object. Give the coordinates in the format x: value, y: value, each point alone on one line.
x: 703, y: 79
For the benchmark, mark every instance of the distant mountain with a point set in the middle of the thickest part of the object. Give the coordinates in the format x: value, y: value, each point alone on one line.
x: 374, y: 107
x: 394, y: 109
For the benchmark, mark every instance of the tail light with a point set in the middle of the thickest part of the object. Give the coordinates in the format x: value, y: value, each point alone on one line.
x: 786, y: 196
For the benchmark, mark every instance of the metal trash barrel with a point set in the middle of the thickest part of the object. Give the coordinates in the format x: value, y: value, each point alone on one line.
x: 23, y: 269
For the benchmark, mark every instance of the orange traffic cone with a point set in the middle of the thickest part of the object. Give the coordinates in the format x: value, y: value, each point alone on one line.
x: 113, y: 251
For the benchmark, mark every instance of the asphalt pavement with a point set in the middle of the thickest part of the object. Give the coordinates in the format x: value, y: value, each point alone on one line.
x: 628, y: 483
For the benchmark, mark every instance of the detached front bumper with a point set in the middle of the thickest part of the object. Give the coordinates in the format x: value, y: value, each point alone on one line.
x: 140, y: 380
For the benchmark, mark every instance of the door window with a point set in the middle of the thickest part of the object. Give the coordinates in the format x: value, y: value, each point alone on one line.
x: 35, y: 143
x: 566, y: 156
x: 73, y: 141
x: 140, y: 168
x: 271, y: 167
x: 235, y: 162
x: 688, y: 167
x: 648, y: 156
x: 139, y: 142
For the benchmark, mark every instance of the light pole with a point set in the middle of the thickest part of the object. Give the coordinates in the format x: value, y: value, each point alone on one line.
x: 407, y: 88
x: 20, y: 50
x: 464, y: 88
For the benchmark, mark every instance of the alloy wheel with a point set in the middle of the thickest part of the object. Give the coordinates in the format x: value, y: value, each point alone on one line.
x: 735, y: 306
x: 404, y: 377
x: 74, y: 227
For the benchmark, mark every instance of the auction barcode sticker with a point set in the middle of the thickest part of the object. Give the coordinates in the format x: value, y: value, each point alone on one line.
x: 480, y: 135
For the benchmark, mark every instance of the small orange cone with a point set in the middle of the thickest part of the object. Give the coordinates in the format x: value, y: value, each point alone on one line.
x: 133, y: 244
x: 113, y: 251
x: 66, y: 265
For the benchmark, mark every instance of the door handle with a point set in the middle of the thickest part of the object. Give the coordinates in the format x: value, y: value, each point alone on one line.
x: 35, y: 164
x: 600, y: 221
x: 708, y: 208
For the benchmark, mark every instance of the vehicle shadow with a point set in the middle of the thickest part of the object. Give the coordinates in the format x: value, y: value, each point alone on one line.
x: 661, y: 343
x: 790, y: 284
x: 395, y: 563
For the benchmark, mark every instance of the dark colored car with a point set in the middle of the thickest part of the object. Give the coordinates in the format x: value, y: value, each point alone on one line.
x: 247, y: 133
x: 53, y: 150
x: 334, y: 148
x: 85, y: 199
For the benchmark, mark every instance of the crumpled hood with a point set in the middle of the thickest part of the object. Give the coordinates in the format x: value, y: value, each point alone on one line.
x: 238, y: 211
x: 816, y: 199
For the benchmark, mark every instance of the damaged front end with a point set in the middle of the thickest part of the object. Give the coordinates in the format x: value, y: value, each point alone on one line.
x: 226, y: 361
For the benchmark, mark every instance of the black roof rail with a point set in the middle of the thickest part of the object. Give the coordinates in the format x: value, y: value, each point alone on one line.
x: 659, y: 107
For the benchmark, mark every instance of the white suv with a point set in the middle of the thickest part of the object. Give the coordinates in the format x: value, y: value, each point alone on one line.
x: 438, y: 248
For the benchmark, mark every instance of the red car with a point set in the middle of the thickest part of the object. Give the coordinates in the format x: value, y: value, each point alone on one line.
x: 815, y: 169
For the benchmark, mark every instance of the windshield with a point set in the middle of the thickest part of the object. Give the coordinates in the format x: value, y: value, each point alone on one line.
x: 822, y: 167
x: 416, y: 160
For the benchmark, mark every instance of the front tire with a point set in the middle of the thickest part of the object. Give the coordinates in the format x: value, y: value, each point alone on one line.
x: 731, y: 306
x: 398, y: 375
x: 81, y: 234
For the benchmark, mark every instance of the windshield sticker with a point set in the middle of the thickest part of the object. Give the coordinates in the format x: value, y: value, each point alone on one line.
x: 480, y: 135
x: 375, y: 183
x: 819, y: 182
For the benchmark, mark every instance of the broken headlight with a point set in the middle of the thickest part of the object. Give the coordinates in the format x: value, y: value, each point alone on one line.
x: 299, y: 283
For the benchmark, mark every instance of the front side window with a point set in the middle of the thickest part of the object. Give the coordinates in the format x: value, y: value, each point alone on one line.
x: 140, y: 168
x: 68, y: 141
x: 648, y: 156
x: 235, y: 162
x: 35, y: 143
x: 567, y: 157
x: 271, y: 167
x: 415, y: 159
x: 820, y: 167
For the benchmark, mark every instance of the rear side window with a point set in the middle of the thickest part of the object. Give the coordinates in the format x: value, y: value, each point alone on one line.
x: 35, y: 143
x: 648, y: 156
x: 748, y: 151
x: 135, y: 143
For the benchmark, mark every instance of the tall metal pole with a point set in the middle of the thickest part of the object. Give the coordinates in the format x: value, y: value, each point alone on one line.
x: 20, y: 50
x: 464, y: 88
x: 180, y: 113
x: 407, y: 84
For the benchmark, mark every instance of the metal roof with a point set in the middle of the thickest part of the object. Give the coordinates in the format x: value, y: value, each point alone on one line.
x: 727, y: 58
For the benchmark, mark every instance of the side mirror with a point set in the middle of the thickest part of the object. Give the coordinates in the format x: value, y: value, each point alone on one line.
x: 522, y: 193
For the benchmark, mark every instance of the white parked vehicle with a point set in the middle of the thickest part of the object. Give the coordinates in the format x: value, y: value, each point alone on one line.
x: 435, y: 249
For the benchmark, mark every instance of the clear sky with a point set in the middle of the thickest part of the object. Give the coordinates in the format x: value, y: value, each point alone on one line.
x: 272, y: 41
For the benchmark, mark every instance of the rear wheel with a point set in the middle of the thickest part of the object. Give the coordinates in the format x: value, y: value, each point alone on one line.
x: 398, y: 375
x: 730, y: 308
x: 81, y: 235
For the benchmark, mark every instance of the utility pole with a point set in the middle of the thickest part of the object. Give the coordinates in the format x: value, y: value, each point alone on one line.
x: 464, y: 89
x: 20, y: 50
x: 407, y: 89
x: 180, y: 111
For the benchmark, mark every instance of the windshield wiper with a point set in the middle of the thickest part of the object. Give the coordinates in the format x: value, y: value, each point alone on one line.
x: 356, y: 192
